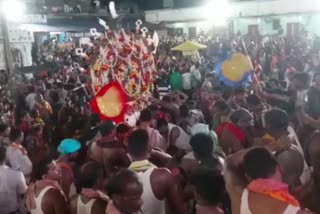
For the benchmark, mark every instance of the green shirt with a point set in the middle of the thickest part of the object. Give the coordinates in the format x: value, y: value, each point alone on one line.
x: 175, y: 81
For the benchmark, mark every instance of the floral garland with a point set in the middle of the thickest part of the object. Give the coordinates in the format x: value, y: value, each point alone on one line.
x: 124, y: 58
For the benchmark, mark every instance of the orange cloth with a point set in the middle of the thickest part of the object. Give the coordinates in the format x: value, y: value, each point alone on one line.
x: 16, y: 146
x: 273, y: 189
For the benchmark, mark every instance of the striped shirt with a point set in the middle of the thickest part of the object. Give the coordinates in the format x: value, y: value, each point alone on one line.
x: 164, y: 90
x: 259, y: 118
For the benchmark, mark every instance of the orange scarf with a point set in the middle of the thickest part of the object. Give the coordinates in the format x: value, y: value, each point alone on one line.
x: 66, y: 166
x: 16, y: 146
x: 273, y: 189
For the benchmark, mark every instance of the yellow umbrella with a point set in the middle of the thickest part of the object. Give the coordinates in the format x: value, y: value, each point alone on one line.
x: 188, y: 46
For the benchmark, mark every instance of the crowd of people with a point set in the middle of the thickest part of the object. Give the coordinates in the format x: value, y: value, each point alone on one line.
x: 200, y: 147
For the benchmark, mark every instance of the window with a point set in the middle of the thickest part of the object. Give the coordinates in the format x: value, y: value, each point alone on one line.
x: 253, y: 30
x: 293, y: 29
x: 192, y: 32
x: 276, y: 24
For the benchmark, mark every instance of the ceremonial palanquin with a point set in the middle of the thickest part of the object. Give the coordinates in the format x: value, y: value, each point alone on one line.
x: 128, y: 60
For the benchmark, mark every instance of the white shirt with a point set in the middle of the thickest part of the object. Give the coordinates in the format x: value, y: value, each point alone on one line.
x: 183, y: 140
x: 155, y: 138
x: 19, y: 161
x: 244, y: 207
x: 151, y: 205
x: 31, y: 100
x: 186, y: 81
x: 12, y: 187
x: 196, y: 73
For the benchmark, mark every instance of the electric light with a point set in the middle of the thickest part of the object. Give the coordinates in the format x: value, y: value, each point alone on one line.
x: 13, y: 10
x: 217, y: 12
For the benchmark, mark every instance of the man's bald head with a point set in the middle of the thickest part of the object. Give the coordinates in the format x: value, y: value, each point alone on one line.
x: 291, y: 163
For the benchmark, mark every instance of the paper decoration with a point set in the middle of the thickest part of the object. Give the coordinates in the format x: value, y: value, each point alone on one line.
x: 138, y: 23
x: 104, y: 24
x: 127, y: 60
x: 156, y: 42
x: 112, y: 8
x: 122, y: 71
x: 144, y: 31
x: 79, y: 51
x: 234, y: 70
x: 110, y: 103
x: 93, y: 31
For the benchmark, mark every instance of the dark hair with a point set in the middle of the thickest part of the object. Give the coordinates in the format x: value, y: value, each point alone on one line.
x: 146, y: 115
x: 48, y: 85
x: 191, y: 104
x: 166, y: 99
x: 33, y: 112
x: 209, y: 184
x: 122, y: 128
x: 3, y: 151
x: 276, y: 119
x: 184, y: 111
x: 138, y: 143
x: 3, y: 127
x: 24, y: 113
x: 161, y: 123
x: 259, y: 163
x: 174, y: 99
x: 153, y: 107
x: 202, y: 145
x: 36, y: 128
x: 252, y: 99
x: 14, y: 134
x: 40, y: 170
x: 119, y: 181
x: 89, y: 173
x: 94, y: 119
x: 239, y: 91
x: 303, y: 77
x: 31, y: 89
x: 221, y: 104
x: 54, y: 97
x: 237, y: 115
x: 209, y: 75
x: 106, y: 128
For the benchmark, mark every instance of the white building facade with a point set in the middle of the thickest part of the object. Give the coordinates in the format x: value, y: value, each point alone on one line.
x: 264, y: 16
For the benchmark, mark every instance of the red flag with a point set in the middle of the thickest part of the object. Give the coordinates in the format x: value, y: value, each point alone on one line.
x: 110, y: 103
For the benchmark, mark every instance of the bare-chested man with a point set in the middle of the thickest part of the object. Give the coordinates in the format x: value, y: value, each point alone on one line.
x: 254, y: 183
x: 107, y: 150
x: 45, y: 195
x: 159, y: 185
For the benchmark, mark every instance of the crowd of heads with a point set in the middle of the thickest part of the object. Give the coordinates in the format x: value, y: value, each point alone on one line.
x: 192, y: 150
